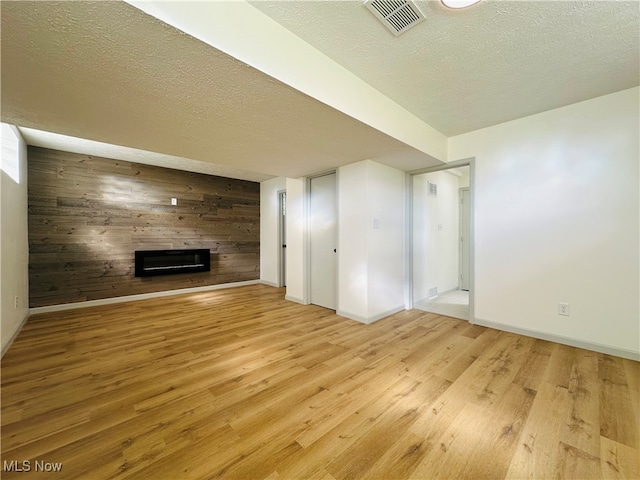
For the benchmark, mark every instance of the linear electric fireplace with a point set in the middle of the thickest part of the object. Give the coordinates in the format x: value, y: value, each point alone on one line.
x: 166, y: 262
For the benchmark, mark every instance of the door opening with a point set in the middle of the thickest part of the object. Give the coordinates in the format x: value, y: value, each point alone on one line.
x: 282, y: 235
x: 441, y: 227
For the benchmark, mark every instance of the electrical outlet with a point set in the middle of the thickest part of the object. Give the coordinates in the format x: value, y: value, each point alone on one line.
x: 563, y: 309
x: 15, y: 302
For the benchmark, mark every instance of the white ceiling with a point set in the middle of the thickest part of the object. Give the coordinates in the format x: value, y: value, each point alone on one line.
x: 462, y: 70
x: 106, y: 72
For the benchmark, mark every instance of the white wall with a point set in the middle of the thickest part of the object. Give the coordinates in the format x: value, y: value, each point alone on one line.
x: 371, y: 221
x: 353, y: 225
x: 14, y: 246
x: 448, y: 214
x: 436, y: 226
x: 422, y: 238
x: 465, y: 180
x: 296, y: 240
x: 386, y: 243
x: 557, y: 220
x: 269, y: 245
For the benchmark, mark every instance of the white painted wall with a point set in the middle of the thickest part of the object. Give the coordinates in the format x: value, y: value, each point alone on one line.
x: 465, y: 180
x: 436, y: 227
x: 557, y: 220
x: 386, y: 243
x: 421, y: 239
x: 269, y: 245
x: 14, y: 246
x: 448, y: 213
x: 371, y: 266
x: 353, y: 241
x: 296, y: 240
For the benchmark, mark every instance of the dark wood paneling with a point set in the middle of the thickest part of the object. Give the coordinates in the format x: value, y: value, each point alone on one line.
x: 88, y: 215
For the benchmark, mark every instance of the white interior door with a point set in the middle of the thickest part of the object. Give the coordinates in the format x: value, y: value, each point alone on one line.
x: 465, y: 243
x: 282, y: 207
x: 322, y: 231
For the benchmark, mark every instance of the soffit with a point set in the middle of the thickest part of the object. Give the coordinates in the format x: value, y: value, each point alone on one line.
x: 106, y: 72
x: 462, y: 70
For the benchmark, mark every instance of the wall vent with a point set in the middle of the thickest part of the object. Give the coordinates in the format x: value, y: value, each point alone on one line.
x: 433, y: 293
x: 433, y: 189
x: 397, y: 15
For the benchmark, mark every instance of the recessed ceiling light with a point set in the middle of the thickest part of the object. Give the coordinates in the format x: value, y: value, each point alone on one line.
x: 459, y: 3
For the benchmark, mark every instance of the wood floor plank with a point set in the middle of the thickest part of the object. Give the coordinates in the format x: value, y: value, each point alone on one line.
x: 240, y: 383
x: 346, y: 434
x: 615, y: 402
x: 618, y: 461
x: 404, y: 454
x: 388, y: 428
x: 538, y: 452
x: 533, y: 369
x: 449, y: 455
x: 582, y: 431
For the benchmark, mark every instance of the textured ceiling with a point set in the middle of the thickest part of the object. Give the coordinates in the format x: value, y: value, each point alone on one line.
x: 461, y: 70
x: 107, y: 72
x: 39, y: 138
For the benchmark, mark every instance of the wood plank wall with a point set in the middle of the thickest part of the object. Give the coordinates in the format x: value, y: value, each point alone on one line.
x: 88, y: 215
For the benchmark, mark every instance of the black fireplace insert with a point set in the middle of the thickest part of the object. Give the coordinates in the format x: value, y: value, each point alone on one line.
x: 166, y: 262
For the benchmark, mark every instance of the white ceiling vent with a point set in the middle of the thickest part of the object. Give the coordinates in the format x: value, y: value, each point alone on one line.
x: 397, y: 15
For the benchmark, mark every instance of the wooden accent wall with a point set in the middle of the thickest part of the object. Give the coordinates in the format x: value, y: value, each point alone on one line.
x: 88, y: 215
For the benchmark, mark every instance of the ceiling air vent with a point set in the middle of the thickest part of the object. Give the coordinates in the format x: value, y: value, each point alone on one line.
x: 397, y: 15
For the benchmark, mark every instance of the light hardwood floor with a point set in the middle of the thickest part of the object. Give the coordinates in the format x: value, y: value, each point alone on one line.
x: 240, y: 383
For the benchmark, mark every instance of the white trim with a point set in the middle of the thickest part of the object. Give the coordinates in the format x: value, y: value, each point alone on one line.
x: 15, y: 334
x: 572, y: 342
x: 375, y: 318
x: 464, y: 162
x: 142, y: 296
x: 295, y: 299
x: 271, y: 284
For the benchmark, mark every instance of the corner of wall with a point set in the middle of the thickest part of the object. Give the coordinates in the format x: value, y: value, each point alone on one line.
x: 14, y: 257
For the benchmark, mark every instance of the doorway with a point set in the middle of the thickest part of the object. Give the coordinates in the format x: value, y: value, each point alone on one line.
x: 282, y: 236
x: 322, y: 240
x: 441, y: 262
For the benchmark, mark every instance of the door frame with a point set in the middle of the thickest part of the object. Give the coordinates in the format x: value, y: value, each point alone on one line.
x: 467, y: 162
x: 281, y: 256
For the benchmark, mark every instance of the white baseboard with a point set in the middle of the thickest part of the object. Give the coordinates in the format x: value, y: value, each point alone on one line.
x: 572, y: 342
x: 425, y: 299
x: 271, y: 284
x: 368, y: 320
x: 15, y: 334
x: 142, y: 296
x: 295, y: 299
